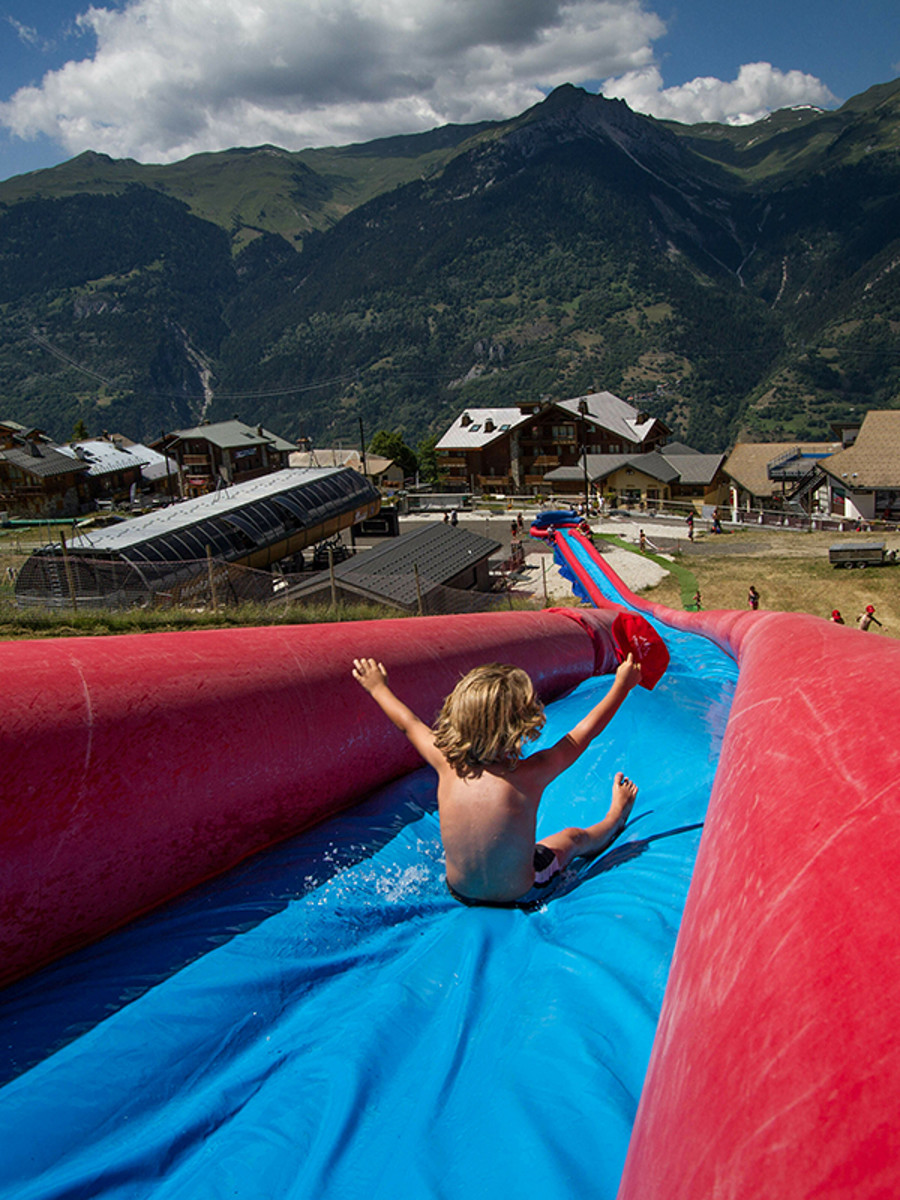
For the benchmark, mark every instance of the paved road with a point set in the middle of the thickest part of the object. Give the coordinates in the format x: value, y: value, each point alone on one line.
x: 541, y: 578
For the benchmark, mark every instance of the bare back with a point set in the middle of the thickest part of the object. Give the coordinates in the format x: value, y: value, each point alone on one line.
x: 488, y: 830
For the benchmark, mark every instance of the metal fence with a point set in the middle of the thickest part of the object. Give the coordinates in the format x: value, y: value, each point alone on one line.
x: 76, y: 582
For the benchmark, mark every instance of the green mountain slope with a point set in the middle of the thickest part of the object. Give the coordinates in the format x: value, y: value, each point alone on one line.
x: 801, y: 141
x: 109, y: 308
x: 736, y: 279
x: 259, y: 190
x: 550, y: 260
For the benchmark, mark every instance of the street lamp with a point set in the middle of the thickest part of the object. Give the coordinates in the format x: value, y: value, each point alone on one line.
x: 583, y: 410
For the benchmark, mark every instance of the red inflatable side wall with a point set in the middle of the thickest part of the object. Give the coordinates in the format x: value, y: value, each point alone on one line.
x: 776, y: 1066
x: 134, y: 767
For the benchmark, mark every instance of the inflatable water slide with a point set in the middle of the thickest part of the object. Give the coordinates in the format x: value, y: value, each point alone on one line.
x: 232, y: 967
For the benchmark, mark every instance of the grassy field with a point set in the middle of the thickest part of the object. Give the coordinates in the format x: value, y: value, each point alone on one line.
x: 792, y: 574
x: 37, y: 623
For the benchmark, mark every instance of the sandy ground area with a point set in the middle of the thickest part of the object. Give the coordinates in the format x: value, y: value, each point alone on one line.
x: 636, y: 571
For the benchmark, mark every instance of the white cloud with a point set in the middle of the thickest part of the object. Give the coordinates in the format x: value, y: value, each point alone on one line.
x: 25, y: 33
x: 759, y: 89
x: 168, y: 78
x: 171, y: 77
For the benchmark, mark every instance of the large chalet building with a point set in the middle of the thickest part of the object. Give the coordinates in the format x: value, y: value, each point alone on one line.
x: 513, y: 449
x: 857, y: 475
x: 224, y: 452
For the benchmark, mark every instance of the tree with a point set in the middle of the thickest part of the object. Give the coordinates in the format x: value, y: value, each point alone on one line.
x: 79, y: 433
x: 391, y: 445
x: 427, y: 456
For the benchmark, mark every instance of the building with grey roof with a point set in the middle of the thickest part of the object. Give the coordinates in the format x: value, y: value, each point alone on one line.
x: 44, y: 461
x: 115, y: 466
x: 605, y: 414
x: 512, y: 449
x: 157, y: 470
x: 226, y: 450
x: 14, y: 433
x: 254, y: 524
x: 38, y: 480
x: 13, y: 428
x: 427, y: 570
x: 696, y: 471
x: 102, y: 457
x: 650, y: 478
x: 113, y: 474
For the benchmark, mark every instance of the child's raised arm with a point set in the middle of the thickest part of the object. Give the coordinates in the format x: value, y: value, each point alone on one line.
x: 556, y: 759
x: 373, y: 677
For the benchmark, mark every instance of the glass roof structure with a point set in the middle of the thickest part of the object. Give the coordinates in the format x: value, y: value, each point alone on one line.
x: 290, y: 509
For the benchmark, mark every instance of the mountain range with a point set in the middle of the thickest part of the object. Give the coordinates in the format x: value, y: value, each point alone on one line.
x: 741, y: 281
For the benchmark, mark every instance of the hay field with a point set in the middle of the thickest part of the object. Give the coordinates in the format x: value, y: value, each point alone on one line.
x: 791, y: 572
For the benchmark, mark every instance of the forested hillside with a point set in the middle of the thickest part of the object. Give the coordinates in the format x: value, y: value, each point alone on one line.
x: 740, y: 281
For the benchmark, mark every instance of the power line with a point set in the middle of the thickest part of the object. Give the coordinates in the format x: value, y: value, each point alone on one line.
x: 397, y: 374
x: 63, y: 357
x: 262, y: 394
x: 75, y: 365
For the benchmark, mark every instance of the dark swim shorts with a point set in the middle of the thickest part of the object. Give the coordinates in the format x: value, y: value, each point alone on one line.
x: 546, y: 869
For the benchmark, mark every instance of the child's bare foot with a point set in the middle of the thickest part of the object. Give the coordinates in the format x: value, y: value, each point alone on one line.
x: 623, y: 796
x: 585, y: 843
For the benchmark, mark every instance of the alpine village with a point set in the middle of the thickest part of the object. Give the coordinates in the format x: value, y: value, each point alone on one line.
x: 580, y: 307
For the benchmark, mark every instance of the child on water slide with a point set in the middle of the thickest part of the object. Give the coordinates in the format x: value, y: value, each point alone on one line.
x: 488, y: 795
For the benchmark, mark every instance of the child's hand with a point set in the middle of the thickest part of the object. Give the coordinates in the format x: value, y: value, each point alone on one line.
x: 629, y: 672
x: 369, y: 673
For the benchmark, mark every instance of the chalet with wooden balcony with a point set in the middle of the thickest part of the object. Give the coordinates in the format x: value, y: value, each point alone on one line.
x: 229, y: 451
x: 113, y: 473
x: 513, y: 449
x: 37, y: 480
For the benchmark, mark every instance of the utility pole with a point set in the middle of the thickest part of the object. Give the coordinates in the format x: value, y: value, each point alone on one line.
x: 583, y: 408
x: 362, y: 446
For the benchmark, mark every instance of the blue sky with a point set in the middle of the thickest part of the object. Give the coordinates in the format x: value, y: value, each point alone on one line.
x: 849, y: 46
x: 157, y: 80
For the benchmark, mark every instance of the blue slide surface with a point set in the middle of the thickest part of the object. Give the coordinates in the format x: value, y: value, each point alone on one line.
x: 326, y: 1021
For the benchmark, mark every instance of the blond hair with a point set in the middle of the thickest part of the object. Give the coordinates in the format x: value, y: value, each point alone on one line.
x: 487, y: 718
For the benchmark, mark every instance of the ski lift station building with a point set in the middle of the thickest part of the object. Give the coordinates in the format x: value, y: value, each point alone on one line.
x: 253, y: 524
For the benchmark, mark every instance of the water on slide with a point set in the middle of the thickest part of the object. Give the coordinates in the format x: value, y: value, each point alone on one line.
x: 325, y: 1021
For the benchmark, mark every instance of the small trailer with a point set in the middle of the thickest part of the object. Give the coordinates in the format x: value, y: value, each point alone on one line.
x: 857, y: 554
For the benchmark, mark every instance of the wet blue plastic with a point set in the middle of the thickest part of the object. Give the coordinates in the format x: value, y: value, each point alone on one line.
x: 327, y: 1022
